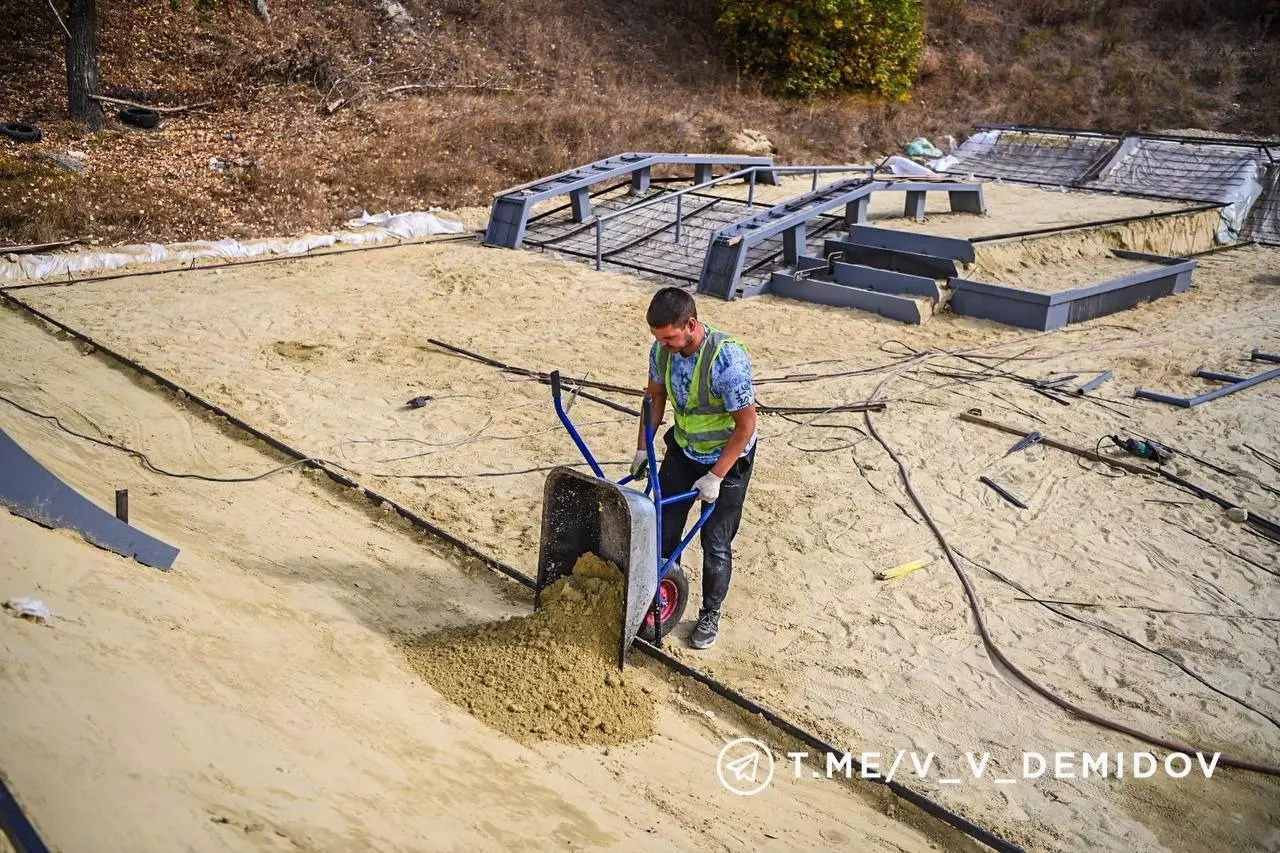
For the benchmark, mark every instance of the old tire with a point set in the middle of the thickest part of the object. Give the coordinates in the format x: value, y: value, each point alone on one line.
x: 140, y: 117
x: 19, y: 132
x: 674, y: 589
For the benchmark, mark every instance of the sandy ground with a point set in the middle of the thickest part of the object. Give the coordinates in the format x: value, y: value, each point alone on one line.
x: 258, y: 697
x: 1010, y: 207
x: 323, y: 352
x: 1051, y: 278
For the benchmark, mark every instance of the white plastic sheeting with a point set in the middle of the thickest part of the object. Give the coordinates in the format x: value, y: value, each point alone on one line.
x: 372, y: 229
x: 1231, y: 175
x: 896, y: 165
x: 981, y: 144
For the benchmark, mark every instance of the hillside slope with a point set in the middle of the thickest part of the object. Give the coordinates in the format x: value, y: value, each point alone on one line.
x: 302, y: 119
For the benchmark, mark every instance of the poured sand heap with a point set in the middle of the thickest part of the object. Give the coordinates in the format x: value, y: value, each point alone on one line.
x: 551, y: 675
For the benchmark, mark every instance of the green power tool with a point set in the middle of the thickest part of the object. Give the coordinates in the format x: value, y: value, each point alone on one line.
x: 1146, y: 449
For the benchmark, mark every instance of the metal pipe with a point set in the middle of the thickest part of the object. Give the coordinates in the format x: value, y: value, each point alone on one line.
x: 1059, y: 229
x: 1188, y: 402
x: 684, y: 543
x: 1220, y: 377
x: 679, y: 215
x: 1261, y: 523
x: 1003, y: 492
x: 741, y: 173
x: 1095, y: 382
x: 122, y: 505
x: 751, y: 192
x: 1262, y: 356
x: 599, y: 240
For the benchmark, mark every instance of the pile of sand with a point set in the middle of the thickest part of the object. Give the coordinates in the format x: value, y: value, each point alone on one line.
x: 551, y: 675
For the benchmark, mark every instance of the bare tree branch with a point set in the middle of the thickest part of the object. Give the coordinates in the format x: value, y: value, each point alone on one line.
x: 59, y: 17
x: 123, y: 103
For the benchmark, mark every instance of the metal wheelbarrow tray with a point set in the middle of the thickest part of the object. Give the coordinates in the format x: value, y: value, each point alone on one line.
x: 588, y: 513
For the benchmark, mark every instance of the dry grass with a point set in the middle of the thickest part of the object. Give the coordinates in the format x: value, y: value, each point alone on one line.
x: 579, y: 79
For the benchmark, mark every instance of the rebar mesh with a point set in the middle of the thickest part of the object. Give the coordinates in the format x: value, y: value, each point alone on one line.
x: 1036, y: 158
x: 1263, y: 224
x: 645, y: 239
x: 1178, y: 170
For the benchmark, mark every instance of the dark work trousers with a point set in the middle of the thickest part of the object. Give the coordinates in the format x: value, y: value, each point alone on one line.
x: 677, y: 474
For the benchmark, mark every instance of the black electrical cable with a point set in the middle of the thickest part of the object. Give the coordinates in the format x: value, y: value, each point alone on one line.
x: 146, y: 460
x: 995, y: 651
x: 151, y: 466
x: 1121, y: 635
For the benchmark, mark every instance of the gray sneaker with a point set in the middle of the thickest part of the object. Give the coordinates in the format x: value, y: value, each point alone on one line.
x: 706, y: 631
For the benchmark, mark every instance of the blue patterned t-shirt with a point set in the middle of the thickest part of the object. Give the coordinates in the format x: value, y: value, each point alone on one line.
x: 730, y: 381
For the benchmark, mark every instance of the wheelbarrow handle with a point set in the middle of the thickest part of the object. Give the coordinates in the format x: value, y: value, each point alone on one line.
x: 568, y: 425
x: 684, y: 543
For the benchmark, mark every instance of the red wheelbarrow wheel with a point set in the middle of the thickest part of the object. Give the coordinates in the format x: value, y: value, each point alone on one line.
x: 674, y: 590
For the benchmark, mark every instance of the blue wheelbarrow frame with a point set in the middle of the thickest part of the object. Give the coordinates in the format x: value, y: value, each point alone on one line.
x: 619, y: 523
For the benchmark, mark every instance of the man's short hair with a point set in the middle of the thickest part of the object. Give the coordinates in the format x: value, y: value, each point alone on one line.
x: 671, y: 306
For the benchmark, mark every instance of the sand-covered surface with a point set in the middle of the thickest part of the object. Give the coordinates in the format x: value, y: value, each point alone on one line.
x: 1052, y: 278
x: 1010, y: 207
x: 259, y: 697
x: 324, y: 352
x: 875, y: 665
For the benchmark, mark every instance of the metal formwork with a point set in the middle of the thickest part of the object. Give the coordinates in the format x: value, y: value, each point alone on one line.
x: 734, y: 251
x: 645, y: 239
x: 1046, y: 311
x: 512, y: 207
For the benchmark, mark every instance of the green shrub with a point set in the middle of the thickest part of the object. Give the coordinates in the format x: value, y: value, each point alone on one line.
x: 823, y: 47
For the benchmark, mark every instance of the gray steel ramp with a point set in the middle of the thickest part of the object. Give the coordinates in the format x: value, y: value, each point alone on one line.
x: 30, y: 490
x: 513, y: 206
x: 732, y: 253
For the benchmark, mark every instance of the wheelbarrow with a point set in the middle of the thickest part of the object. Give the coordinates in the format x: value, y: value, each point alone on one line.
x: 584, y: 513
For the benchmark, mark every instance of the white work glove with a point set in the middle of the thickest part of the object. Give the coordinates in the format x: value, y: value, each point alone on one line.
x: 708, y: 486
x: 639, y: 464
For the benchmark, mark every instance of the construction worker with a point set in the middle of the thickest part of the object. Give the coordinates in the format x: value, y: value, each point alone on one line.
x: 706, y: 374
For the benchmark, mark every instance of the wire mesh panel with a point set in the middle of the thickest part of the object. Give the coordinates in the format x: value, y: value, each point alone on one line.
x: 1263, y: 225
x: 1030, y: 157
x: 557, y: 223
x: 1180, y: 170
x: 645, y: 239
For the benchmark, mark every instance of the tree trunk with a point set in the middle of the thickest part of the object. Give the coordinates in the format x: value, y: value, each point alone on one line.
x: 82, y: 64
